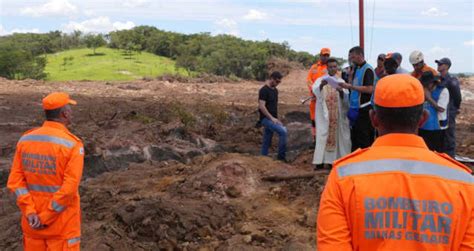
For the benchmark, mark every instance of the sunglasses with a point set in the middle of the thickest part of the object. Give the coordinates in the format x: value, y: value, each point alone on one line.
x: 381, y: 59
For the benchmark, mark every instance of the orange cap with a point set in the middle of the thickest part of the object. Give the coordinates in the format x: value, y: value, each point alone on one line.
x: 56, y: 100
x: 398, y: 91
x: 325, y: 51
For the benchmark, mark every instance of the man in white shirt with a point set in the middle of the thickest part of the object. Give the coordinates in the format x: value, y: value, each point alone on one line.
x: 333, y: 138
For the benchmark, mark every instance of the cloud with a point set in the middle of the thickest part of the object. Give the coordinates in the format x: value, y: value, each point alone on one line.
x: 136, y: 3
x: 469, y: 43
x: 437, y: 50
x: 433, y: 12
x: 99, y: 24
x: 227, y: 26
x: 51, y: 8
x: 255, y: 15
x: 4, y: 32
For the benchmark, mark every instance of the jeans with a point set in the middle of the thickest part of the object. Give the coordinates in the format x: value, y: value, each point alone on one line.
x: 269, y: 128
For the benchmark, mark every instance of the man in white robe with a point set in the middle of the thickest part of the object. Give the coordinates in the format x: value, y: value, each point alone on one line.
x: 333, y: 139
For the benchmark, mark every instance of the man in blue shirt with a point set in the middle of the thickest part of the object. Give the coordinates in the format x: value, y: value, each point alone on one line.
x: 361, y: 89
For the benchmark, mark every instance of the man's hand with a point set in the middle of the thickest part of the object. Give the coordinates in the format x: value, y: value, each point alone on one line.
x: 345, y: 85
x: 323, y: 83
x: 34, y: 221
x: 276, y: 121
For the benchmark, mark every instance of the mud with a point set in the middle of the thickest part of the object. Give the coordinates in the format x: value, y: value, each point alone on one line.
x: 175, y: 166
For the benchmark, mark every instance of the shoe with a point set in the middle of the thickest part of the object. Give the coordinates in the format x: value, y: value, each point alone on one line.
x: 318, y: 167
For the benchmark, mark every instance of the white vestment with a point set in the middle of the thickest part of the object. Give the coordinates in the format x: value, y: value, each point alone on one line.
x: 333, y: 135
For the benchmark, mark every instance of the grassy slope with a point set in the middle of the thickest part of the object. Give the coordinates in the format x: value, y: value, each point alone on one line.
x: 108, y: 64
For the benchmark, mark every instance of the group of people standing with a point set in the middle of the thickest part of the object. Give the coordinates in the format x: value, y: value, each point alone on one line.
x: 393, y: 192
x: 341, y: 100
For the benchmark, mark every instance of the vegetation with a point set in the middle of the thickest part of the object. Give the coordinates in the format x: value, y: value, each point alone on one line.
x: 222, y: 55
x: 107, y: 64
x: 94, y: 41
x: 25, y: 55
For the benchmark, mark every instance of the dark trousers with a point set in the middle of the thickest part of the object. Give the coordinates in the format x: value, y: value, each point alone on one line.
x: 362, y: 132
x: 434, y: 139
x: 450, y: 137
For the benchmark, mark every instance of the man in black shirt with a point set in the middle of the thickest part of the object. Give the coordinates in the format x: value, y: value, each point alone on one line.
x: 268, y: 108
x: 363, y: 81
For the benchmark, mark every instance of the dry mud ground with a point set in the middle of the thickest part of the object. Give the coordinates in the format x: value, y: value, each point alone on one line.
x: 175, y: 166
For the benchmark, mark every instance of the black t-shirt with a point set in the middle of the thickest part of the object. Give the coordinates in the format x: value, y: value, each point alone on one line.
x: 368, y: 81
x: 270, y: 96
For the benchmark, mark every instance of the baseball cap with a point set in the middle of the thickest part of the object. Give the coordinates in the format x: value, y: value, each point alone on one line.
x: 399, y: 91
x: 397, y: 56
x: 325, y: 51
x: 390, y: 61
x: 57, y: 100
x: 416, y: 57
x: 446, y: 61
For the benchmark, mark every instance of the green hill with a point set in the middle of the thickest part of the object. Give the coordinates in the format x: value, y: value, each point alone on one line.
x: 107, y: 64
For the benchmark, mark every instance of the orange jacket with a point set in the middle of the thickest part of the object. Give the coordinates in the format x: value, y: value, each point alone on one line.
x: 316, y: 71
x: 397, y: 195
x: 424, y: 69
x: 45, y: 176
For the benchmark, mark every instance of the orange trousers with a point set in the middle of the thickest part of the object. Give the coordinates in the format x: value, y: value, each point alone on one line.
x: 312, y: 115
x: 30, y: 244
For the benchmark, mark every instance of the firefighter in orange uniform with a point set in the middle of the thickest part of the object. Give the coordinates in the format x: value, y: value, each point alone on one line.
x: 397, y: 194
x: 316, y: 71
x: 45, y: 176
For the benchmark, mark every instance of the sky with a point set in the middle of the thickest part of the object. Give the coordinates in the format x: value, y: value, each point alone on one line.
x: 438, y: 28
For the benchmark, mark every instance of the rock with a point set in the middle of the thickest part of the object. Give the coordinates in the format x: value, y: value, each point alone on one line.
x: 297, y: 116
x: 247, y: 239
x: 207, y: 144
x: 163, y: 152
x: 248, y: 228
x: 233, y: 192
x: 299, y: 136
x: 174, y: 129
x: 111, y: 159
x: 93, y: 165
x: 259, y: 237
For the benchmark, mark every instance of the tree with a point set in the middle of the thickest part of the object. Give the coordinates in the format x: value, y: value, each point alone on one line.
x: 18, y: 63
x: 94, y: 41
x: 131, y: 47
